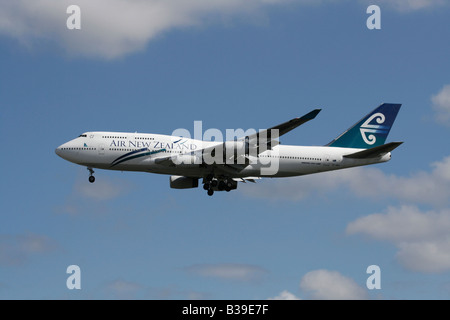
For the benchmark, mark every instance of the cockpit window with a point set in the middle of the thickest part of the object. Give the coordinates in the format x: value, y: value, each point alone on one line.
x: 83, y: 135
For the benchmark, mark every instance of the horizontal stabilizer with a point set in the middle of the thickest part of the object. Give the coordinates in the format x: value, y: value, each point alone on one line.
x: 374, y: 152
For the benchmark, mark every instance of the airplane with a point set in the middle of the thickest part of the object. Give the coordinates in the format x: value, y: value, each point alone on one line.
x: 221, y: 165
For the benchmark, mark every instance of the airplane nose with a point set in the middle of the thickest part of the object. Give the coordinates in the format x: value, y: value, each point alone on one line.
x: 58, y: 151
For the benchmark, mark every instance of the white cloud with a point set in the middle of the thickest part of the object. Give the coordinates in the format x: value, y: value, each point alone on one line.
x: 18, y: 249
x: 331, y: 285
x: 441, y: 105
x: 421, y: 187
x: 406, y: 223
x: 431, y: 256
x: 113, y: 28
x: 285, y: 295
x: 422, y: 238
x: 228, y: 271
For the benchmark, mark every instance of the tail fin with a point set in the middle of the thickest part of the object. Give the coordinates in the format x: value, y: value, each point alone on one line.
x: 371, y: 131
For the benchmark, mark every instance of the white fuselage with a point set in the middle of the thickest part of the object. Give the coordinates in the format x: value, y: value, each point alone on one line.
x: 138, y: 152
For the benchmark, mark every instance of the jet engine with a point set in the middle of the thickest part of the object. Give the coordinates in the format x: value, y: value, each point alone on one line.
x: 180, y: 182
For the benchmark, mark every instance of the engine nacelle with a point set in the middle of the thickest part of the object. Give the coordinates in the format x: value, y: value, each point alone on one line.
x: 180, y: 182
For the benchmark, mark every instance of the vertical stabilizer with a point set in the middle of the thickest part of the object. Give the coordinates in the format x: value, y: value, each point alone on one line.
x: 371, y: 131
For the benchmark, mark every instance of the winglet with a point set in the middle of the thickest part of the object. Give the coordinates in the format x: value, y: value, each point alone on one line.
x: 294, y: 123
x: 311, y: 115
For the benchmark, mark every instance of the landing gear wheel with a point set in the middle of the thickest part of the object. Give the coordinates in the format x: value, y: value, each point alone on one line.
x: 91, y: 175
x: 210, y: 192
x: 206, y: 186
x: 228, y: 185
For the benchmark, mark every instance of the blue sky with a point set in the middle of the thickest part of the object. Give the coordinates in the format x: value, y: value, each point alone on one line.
x: 156, y: 67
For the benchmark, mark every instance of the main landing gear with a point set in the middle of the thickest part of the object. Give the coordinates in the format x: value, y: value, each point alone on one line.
x: 209, y: 189
x: 91, y: 175
x: 211, y: 184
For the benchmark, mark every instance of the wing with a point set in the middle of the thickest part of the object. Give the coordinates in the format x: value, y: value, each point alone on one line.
x: 265, y: 139
x: 249, y: 145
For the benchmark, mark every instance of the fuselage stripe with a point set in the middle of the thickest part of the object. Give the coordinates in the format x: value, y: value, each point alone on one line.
x: 136, y: 156
x: 130, y: 153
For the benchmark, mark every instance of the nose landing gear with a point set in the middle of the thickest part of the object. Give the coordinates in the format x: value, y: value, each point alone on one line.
x: 91, y: 175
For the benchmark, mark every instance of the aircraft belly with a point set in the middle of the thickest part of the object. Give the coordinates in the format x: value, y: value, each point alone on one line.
x: 188, y: 172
